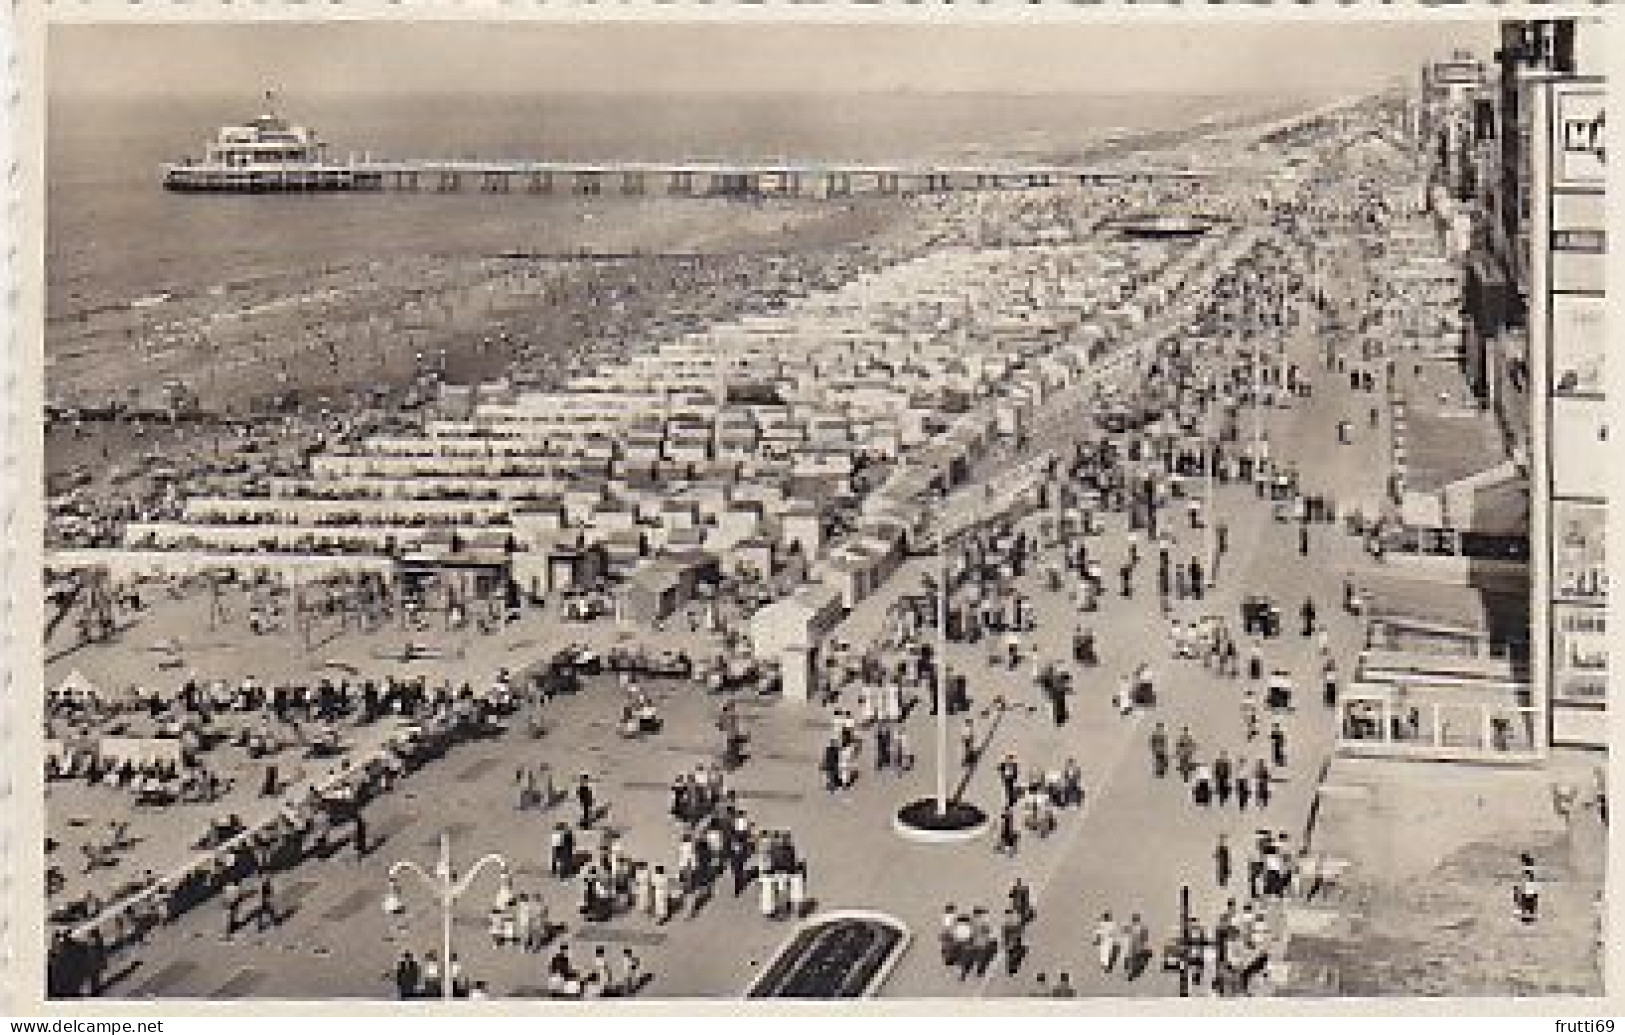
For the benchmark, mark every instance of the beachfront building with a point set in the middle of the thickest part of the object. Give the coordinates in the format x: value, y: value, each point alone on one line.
x: 1487, y: 637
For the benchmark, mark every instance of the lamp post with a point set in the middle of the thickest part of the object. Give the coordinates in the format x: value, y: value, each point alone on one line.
x: 1249, y: 320
x: 945, y: 548
x: 1185, y: 941
x: 1209, y: 461
x: 936, y: 818
x: 944, y: 594
x: 1281, y: 330
x: 447, y: 888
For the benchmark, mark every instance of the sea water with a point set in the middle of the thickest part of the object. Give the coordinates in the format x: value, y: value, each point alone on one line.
x: 114, y: 237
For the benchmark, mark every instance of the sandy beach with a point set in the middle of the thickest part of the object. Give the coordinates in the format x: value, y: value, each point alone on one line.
x: 268, y: 318
x: 336, y: 338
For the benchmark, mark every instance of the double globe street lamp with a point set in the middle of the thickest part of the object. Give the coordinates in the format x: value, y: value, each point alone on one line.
x: 945, y: 817
x: 448, y: 887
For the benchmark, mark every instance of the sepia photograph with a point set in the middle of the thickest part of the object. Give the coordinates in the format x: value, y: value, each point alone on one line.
x: 735, y: 511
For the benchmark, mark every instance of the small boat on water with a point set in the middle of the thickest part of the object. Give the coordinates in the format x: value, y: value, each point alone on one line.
x: 265, y: 155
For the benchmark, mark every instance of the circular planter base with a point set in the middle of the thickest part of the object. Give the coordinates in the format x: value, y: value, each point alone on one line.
x: 921, y: 822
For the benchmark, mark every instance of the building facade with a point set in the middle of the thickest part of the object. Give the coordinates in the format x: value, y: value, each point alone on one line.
x: 1556, y: 69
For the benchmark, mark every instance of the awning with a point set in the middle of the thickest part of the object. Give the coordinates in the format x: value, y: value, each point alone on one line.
x: 1502, y: 614
x: 1488, y: 294
x: 1494, y: 501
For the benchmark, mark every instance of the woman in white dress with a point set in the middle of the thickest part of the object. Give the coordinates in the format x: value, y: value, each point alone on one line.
x: 849, y: 764
x: 643, y: 889
x: 892, y: 702
x: 687, y: 860
x: 661, y: 894
x: 796, y: 890
x: 1106, y: 942
x: 769, y: 891
x: 868, y: 707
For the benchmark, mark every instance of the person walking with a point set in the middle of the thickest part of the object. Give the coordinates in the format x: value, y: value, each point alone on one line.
x: 830, y: 765
x: 1056, y: 692
x: 407, y: 975
x: 1021, y: 900
x: 883, y: 745
x: 947, y: 937
x: 1106, y: 942
x: 603, y: 974
x: 847, y: 764
x: 1083, y: 648
x: 1222, y: 778
x: 1138, y: 950
x: 431, y: 978
x: 585, y: 799
x: 1185, y: 753
x: 643, y: 889
x: 1008, y: 835
x: 770, y: 895
x: 1072, y: 783
x: 1275, y: 870
x: 1278, y: 746
x: 1526, y: 893
x: 266, y: 915
x: 1159, y: 751
x: 533, y: 922
x: 562, y: 849
x: 660, y: 899
x: 1221, y: 862
x: 967, y: 743
x: 1012, y: 932
x: 1123, y: 699
x: 1010, y: 777
x: 1201, y: 784
x: 230, y: 902
x: 983, y: 948
x: 963, y: 935
x: 1261, y: 783
x: 631, y: 973
x: 738, y: 865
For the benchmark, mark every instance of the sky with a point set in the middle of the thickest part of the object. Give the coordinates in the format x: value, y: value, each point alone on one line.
x: 380, y: 59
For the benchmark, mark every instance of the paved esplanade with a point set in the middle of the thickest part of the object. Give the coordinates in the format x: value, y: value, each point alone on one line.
x: 1127, y: 850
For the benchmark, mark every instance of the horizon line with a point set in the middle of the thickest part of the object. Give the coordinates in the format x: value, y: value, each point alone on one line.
x: 80, y: 90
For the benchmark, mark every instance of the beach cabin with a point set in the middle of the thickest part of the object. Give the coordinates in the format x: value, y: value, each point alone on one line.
x: 653, y: 593
x: 801, y: 526
x: 789, y: 632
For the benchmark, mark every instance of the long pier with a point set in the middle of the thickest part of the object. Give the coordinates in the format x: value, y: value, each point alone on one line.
x: 693, y: 179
